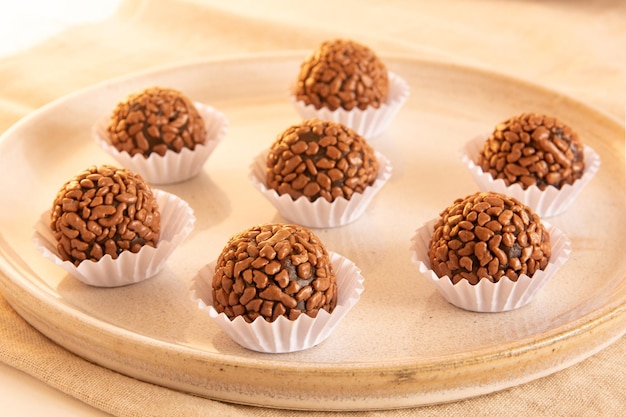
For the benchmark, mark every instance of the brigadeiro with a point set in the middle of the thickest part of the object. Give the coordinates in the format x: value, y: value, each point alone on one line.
x: 161, y: 134
x: 489, y: 252
x: 276, y: 288
x: 346, y: 82
x: 107, y: 227
x: 320, y: 173
x: 104, y: 211
x: 534, y: 157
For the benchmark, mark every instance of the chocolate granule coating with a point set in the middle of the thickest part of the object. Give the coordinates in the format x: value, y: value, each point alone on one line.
x: 488, y: 235
x: 533, y: 149
x: 104, y: 210
x: 317, y: 158
x: 342, y: 73
x: 274, y: 270
x: 156, y: 120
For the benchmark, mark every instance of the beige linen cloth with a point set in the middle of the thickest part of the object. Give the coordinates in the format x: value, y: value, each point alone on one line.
x: 576, y: 47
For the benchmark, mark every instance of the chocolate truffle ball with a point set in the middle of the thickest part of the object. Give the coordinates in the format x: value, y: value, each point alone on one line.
x: 342, y: 73
x: 533, y: 149
x: 156, y: 120
x: 104, y: 210
x: 274, y: 270
x: 320, y: 159
x: 488, y: 235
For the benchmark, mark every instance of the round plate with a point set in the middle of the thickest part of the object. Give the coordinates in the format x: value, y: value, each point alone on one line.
x: 402, y: 345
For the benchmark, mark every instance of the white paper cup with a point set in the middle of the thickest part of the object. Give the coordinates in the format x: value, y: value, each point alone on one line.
x: 546, y: 203
x: 172, y: 167
x: 320, y: 213
x: 368, y: 123
x: 487, y: 296
x: 283, y: 335
x: 177, y: 220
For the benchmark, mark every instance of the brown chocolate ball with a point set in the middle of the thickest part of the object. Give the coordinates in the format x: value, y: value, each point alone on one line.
x: 488, y: 235
x: 320, y: 159
x: 533, y: 149
x: 342, y: 73
x: 274, y: 270
x: 104, y: 210
x: 156, y: 120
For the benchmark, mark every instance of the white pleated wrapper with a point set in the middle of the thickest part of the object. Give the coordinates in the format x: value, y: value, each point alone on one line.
x: 320, y: 213
x: 283, y: 335
x: 368, y: 123
x: 486, y: 296
x: 177, y: 221
x: 547, y: 203
x: 172, y: 167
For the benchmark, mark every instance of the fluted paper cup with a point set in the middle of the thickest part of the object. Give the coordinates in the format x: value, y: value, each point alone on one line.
x: 368, y: 123
x: 177, y: 220
x: 283, y: 335
x: 320, y: 213
x: 487, y: 296
x: 172, y: 167
x: 546, y: 203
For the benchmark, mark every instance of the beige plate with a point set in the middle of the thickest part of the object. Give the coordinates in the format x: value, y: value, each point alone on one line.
x: 402, y: 345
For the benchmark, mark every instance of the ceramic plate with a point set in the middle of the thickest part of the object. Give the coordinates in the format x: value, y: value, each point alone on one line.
x: 402, y: 345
